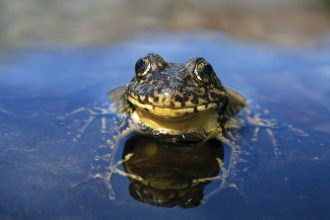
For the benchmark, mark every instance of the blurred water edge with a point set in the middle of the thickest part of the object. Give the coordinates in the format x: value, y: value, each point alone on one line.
x: 81, y: 22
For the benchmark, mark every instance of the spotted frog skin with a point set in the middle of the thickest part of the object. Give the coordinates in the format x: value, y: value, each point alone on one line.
x: 177, y: 101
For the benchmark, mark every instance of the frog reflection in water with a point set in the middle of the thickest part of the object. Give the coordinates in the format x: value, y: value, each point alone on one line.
x: 169, y: 174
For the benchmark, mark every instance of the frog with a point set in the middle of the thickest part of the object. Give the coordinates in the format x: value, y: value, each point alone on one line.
x: 177, y: 101
x: 174, y: 102
x: 179, y: 104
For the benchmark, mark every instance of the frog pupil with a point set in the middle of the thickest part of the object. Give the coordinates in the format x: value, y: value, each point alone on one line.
x: 207, y: 70
x: 203, y: 73
x: 140, y: 66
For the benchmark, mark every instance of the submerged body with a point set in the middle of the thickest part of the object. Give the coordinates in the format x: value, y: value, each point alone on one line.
x: 177, y: 101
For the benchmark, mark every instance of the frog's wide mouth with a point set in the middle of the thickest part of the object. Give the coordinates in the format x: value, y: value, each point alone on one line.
x: 171, y: 112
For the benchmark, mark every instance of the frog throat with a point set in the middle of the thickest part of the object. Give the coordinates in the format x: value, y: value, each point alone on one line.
x: 199, y: 122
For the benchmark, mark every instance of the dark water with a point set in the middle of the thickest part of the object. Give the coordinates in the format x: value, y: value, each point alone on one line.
x: 40, y: 164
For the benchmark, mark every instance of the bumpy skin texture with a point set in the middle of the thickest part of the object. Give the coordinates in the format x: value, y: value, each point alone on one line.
x: 175, y: 86
x: 176, y: 101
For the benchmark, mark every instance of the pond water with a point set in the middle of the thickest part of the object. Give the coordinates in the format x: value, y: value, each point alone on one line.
x: 45, y: 172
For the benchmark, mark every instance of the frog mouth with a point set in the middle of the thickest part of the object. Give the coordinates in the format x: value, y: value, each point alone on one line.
x: 171, y: 112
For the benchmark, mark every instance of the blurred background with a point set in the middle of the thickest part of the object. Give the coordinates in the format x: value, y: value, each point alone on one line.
x: 95, y: 22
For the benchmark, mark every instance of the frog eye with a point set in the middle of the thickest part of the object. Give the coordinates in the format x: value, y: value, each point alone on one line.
x: 142, y: 67
x: 203, y: 70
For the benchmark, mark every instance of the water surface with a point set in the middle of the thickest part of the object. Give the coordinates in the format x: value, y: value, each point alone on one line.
x: 40, y: 164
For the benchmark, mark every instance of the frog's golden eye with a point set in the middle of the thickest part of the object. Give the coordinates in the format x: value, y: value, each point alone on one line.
x: 203, y: 70
x: 142, y: 67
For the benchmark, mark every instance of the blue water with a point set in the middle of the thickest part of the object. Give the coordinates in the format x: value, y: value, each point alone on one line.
x: 40, y: 164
